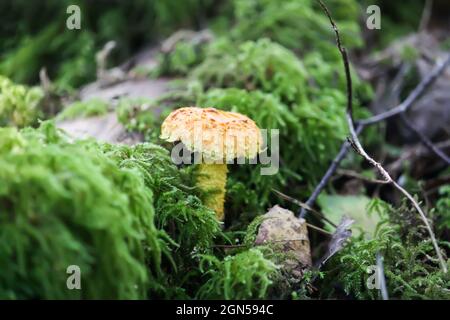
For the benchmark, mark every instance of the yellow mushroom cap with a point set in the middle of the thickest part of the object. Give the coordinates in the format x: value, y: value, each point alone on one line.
x: 218, y: 135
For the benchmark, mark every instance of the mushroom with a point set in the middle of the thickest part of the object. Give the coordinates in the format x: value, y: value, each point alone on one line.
x: 219, y: 137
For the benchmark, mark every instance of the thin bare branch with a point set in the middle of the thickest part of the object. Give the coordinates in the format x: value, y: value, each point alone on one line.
x: 327, y: 176
x: 381, y: 277
x: 359, y: 176
x: 427, y: 143
x: 356, y: 144
x: 426, y: 15
x: 417, y: 92
x: 319, y: 214
x: 412, y: 97
x: 319, y: 229
x: 415, y: 152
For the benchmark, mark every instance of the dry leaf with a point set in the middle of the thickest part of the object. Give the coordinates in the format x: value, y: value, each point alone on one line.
x: 338, y: 239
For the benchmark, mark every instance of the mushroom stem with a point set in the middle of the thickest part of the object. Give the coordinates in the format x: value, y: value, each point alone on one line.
x: 212, y: 178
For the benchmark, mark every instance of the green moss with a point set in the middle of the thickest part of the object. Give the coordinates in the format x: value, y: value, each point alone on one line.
x: 125, y: 215
x: 19, y: 105
x: 192, y: 227
x: 297, y: 25
x: 184, y: 56
x: 442, y: 212
x: 84, y: 109
x: 267, y: 66
x: 245, y: 275
x: 65, y: 204
x: 140, y: 115
x: 410, y: 270
x: 262, y: 65
x: 327, y: 73
x: 409, y: 54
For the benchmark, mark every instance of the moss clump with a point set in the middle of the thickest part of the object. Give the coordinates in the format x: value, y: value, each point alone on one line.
x: 180, y: 60
x: 65, y: 204
x: 410, y: 270
x: 19, y: 105
x: 442, y: 212
x: 125, y: 215
x: 298, y: 25
x: 140, y: 115
x: 84, y: 109
x: 178, y: 209
x: 245, y: 275
x: 269, y: 67
x: 263, y: 65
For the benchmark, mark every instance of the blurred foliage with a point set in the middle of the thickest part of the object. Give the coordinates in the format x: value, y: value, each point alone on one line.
x: 263, y: 64
x: 267, y: 66
x: 396, y: 22
x: 19, y: 105
x: 84, y: 109
x: 138, y: 114
x: 297, y: 25
x: 30, y: 41
x: 180, y: 60
x: 356, y: 207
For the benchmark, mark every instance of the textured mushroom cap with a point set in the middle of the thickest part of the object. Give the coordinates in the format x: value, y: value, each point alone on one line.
x: 218, y: 135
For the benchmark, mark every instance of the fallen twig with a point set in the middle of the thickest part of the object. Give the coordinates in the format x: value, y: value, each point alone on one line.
x: 426, y: 15
x: 415, y: 152
x: 381, y: 277
x: 404, y: 106
x: 356, y: 175
x: 427, y: 143
x: 339, y: 238
x: 413, y: 96
x: 327, y: 176
x: 318, y: 229
x: 319, y: 214
x: 361, y: 124
x: 356, y: 144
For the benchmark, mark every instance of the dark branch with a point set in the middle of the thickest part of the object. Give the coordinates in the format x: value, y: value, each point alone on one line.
x: 356, y: 144
x: 345, y: 147
x: 413, y: 96
x: 405, y: 105
x: 427, y: 143
x: 381, y: 277
x: 318, y: 214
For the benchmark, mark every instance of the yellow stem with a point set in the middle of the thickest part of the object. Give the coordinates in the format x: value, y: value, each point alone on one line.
x: 212, y: 178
